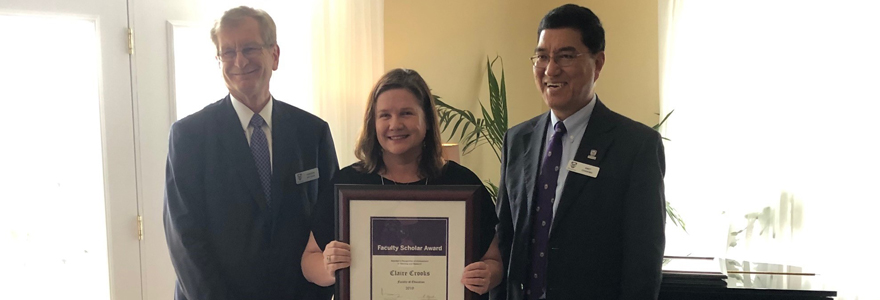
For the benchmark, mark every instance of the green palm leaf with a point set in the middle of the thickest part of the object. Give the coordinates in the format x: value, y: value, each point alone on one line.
x: 473, y: 132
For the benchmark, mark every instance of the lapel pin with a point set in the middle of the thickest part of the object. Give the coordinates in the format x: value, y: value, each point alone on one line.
x: 592, y: 154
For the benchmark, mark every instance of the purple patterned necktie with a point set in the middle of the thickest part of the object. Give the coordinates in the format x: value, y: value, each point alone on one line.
x: 260, y: 151
x: 545, y: 194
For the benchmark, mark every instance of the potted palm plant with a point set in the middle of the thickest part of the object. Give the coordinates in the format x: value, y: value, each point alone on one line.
x: 473, y: 131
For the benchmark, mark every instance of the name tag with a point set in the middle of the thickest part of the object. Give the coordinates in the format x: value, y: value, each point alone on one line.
x: 307, y: 175
x: 583, y: 169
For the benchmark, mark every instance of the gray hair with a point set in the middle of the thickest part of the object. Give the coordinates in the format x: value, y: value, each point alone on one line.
x: 234, y: 16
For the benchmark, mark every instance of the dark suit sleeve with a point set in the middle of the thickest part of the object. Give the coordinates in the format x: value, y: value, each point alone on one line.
x: 323, y: 216
x: 644, y: 224
x: 323, y: 221
x: 504, y: 229
x: 192, y: 256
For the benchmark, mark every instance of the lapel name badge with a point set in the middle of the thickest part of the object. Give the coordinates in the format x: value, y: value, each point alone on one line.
x: 583, y: 169
x: 592, y: 154
x: 307, y: 175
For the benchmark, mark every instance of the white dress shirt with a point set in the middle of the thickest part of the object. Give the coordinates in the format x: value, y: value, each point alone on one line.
x: 575, y: 126
x: 245, y: 114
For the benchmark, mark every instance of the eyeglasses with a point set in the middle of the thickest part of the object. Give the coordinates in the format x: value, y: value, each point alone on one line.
x: 249, y: 52
x: 563, y: 60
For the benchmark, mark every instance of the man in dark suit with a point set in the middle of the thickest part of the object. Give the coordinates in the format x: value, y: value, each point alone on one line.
x: 581, y: 205
x: 243, y: 175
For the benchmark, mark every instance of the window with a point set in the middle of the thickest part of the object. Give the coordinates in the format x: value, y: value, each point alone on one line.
x: 775, y: 117
x: 52, y: 214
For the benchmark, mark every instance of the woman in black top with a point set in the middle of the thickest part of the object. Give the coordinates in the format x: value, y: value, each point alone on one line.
x: 400, y: 145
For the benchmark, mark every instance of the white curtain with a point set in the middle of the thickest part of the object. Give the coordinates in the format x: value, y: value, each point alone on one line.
x: 331, y: 54
x: 347, y: 59
x: 775, y: 133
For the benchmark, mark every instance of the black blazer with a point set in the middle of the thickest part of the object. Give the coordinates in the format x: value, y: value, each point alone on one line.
x: 607, y: 237
x: 225, y: 243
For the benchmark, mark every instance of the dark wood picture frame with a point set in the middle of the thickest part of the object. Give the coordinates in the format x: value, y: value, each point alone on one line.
x: 345, y: 193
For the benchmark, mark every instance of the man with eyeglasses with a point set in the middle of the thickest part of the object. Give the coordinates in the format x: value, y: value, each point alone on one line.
x: 242, y: 177
x: 581, y: 205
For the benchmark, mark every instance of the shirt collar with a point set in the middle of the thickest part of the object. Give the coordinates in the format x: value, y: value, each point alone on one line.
x: 578, y: 119
x: 245, y: 114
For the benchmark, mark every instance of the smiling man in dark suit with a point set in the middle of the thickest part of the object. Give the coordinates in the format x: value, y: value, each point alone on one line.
x: 581, y: 205
x: 242, y: 177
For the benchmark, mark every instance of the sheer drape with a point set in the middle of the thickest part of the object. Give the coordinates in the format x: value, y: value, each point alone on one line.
x: 775, y: 126
x: 331, y: 54
x: 347, y: 59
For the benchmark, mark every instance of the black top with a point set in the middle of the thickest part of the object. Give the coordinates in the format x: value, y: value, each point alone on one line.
x: 452, y: 174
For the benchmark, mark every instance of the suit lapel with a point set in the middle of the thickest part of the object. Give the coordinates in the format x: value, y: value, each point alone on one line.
x: 286, y: 158
x: 233, y: 138
x: 595, y: 138
x: 534, y: 143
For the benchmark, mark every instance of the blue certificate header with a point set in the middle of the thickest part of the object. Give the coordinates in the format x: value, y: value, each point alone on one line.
x: 409, y: 236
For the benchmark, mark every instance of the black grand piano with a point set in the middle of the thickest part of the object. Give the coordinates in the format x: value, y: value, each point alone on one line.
x: 687, y: 278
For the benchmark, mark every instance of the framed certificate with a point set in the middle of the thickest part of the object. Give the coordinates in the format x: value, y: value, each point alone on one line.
x: 407, y: 242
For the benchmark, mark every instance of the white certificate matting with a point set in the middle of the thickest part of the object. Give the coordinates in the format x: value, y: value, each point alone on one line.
x: 417, y: 268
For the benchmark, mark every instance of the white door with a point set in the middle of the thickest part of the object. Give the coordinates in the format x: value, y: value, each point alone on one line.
x: 68, y: 193
x: 176, y: 75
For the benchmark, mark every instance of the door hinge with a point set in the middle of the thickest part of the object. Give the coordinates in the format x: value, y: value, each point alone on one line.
x: 140, y: 228
x: 130, y: 41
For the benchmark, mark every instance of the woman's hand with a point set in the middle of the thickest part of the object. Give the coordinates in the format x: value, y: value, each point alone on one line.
x: 337, y: 255
x: 477, y: 277
x: 484, y: 275
x: 320, y: 267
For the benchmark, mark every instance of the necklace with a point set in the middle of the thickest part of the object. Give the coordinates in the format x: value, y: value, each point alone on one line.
x: 395, y: 182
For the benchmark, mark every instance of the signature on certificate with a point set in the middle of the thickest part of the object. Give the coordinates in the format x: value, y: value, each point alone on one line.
x: 389, y: 296
x: 428, y: 297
